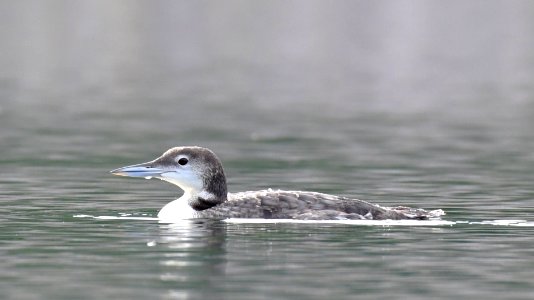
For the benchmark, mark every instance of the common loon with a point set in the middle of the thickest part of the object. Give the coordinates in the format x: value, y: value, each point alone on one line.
x: 199, y: 173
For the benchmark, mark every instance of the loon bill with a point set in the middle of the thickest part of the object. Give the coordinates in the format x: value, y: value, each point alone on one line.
x: 199, y: 173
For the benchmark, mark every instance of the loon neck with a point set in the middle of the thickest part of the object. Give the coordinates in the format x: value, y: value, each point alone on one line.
x: 214, y: 190
x: 209, y: 192
x: 214, y: 185
x: 187, y: 206
x: 204, y: 200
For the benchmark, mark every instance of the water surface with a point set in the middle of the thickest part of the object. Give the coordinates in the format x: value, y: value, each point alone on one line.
x: 426, y: 104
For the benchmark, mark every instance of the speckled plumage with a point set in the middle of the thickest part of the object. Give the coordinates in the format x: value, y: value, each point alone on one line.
x: 302, y: 205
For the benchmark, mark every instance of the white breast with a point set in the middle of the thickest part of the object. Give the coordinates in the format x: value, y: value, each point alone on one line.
x: 176, y: 210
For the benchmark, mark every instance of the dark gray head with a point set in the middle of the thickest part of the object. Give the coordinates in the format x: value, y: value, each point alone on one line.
x: 196, y: 170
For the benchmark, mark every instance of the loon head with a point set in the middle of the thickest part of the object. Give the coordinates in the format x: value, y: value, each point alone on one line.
x: 196, y: 170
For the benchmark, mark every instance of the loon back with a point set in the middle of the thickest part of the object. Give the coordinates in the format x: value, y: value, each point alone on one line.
x: 302, y: 205
x: 199, y: 173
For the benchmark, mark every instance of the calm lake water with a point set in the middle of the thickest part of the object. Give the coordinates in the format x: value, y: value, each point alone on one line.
x: 419, y: 103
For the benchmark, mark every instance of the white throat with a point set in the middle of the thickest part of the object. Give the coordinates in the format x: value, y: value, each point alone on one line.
x: 188, y: 182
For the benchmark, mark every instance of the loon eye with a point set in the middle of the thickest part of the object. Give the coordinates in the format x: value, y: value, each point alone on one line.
x: 183, y: 161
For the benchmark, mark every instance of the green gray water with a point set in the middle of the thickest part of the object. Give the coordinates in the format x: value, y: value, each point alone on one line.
x: 419, y: 103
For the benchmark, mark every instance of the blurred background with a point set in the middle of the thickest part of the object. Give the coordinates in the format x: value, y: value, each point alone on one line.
x: 374, y: 85
x: 366, y: 98
x: 309, y: 86
x: 419, y: 103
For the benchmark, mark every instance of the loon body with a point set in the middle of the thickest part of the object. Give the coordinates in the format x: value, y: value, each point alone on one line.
x: 199, y: 173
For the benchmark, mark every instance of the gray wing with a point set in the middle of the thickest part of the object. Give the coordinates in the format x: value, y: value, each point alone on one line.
x: 305, y: 206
